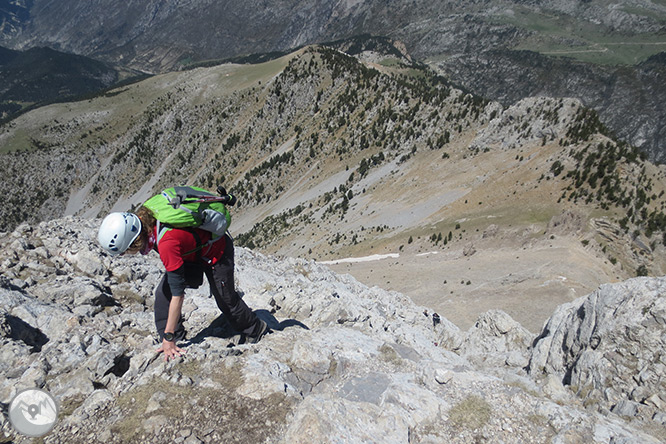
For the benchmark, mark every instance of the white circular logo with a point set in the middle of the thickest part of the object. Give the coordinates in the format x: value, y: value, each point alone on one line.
x: 33, y: 412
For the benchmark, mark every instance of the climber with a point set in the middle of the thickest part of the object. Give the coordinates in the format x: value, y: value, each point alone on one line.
x: 185, y: 263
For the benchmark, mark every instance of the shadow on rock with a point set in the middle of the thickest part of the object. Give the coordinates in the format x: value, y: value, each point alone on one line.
x: 16, y: 328
x: 276, y: 325
x: 221, y: 328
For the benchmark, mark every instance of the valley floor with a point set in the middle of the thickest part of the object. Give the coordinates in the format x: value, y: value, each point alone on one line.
x: 528, y: 282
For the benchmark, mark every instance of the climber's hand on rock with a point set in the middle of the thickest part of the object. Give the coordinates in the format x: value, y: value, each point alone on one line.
x: 170, y: 350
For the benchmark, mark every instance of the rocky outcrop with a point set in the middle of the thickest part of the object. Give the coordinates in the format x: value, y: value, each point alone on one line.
x: 496, y: 341
x: 531, y: 120
x: 628, y: 98
x: 345, y: 363
x: 609, y: 348
x: 567, y: 222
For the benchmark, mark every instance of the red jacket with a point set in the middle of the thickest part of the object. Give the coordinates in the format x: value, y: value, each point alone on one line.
x: 176, y: 243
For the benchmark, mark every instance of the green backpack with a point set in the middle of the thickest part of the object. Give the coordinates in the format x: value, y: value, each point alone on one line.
x: 191, y: 207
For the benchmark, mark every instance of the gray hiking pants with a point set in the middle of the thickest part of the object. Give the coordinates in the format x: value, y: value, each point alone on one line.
x: 221, y: 280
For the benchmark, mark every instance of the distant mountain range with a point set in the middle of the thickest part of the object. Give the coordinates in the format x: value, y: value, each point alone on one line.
x: 474, y: 43
x: 162, y: 35
x: 630, y: 99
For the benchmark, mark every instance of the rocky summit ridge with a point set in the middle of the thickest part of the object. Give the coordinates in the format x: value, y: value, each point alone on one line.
x: 345, y: 363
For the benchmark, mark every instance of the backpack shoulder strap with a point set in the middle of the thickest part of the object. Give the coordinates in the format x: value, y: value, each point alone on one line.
x: 162, y: 229
x: 199, y: 246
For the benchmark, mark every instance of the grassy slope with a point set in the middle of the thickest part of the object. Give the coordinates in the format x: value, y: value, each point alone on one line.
x: 563, y: 35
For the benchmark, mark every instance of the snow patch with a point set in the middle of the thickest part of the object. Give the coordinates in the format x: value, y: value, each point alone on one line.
x: 351, y: 260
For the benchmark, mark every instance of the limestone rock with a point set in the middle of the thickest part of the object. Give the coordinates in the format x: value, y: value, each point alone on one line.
x: 496, y: 339
x: 345, y: 363
x: 608, y: 347
x: 510, y: 128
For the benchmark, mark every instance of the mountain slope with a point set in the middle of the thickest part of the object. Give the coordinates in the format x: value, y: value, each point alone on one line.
x: 614, y: 91
x: 139, y: 32
x: 157, y: 37
x: 345, y: 363
x: 331, y: 158
x: 42, y: 75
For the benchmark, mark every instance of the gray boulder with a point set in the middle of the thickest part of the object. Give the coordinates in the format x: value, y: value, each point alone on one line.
x: 609, y: 347
x: 497, y: 340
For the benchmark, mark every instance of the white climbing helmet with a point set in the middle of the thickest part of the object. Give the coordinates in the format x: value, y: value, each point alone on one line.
x: 118, y: 231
